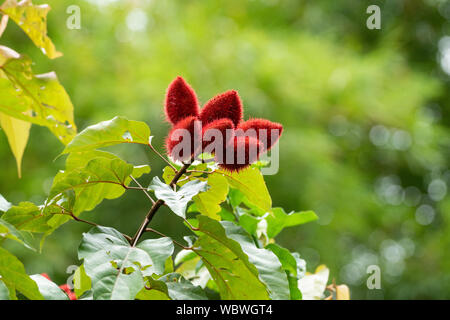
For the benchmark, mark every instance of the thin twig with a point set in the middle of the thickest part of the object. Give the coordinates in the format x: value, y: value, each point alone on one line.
x: 143, y: 189
x: 200, y: 171
x: 162, y: 157
x: 157, y: 205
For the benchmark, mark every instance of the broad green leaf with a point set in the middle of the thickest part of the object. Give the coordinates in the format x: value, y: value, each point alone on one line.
x: 171, y: 286
x: 277, y: 220
x: 17, y: 132
x: 13, y: 275
x: 28, y: 217
x: 251, y: 183
x: 109, y: 133
x: 4, y: 292
x: 81, y: 282
x: 289, y: 264
x: 177, y: 200
x: 181, y: 289
x: 239, y: 268
x: 33, y: 21
x: 208, y: 202
x: 48, y: 289
x: 269, y: 267
x: 8, y: 231
x: 158, y: 250
x: 115, y: 268
x: 83, y: 188
x: 4, y: 204
x: 39, y: 99
x: 199, y: 276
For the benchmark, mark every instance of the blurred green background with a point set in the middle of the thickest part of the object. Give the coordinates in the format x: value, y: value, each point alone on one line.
x: 366, y: 117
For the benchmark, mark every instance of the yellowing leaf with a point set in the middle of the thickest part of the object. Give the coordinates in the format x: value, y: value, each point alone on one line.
x: 39, y: 99
x: 17, y: 132
x: 342, y: 292
x: 32, y: 19
x: 208, y: 202
x: 251, y: 183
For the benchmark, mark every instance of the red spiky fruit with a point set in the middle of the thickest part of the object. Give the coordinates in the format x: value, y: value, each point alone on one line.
x: 224, y: 127
x: 244, y: 151
x: 226, y: 105
x: 258, y: 125
x: 181, y: 101
x: 184, y: 140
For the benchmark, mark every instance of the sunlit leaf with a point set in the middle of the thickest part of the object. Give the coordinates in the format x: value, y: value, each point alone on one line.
x: 28, y: 217
x: 81, y: 281
x: 17, y: 132
x: 48, y: 289
x: 33, y: 21
x: 251, y: 183
x: 277, y: 220
x: 39, y: 99
x: 8, y: 231
x: 289, y: 264
x: 239, y: 268
x: 177, y: 200
x: 114, y: 266
x: 13, y: 275
x: 208, y: 202
x: 109, y: 133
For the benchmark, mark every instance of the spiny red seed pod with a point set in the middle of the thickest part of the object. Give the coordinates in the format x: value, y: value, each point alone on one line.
x: 226, y: 105
x: 244, y: 151
x: 224, y: 127
x: 184, y: 140
x: 264, y: 130
x: 69, y: 292
x: 181, y: 101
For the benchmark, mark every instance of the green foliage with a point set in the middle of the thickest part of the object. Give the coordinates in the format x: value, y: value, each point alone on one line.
x: 33, y: 21
x: 109, y: 133
x: 48, y: 289
x: 13, y: 275
x: 177, y: 200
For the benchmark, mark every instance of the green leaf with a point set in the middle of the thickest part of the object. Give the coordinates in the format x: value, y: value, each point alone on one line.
x: 240, y: 270
x: 277, y: 220
x: 83, y: 188
x: 251, y: 183
x: 17, y: 132
x: 159, y: 251
x: 28, y: 217
x: 208, y: 202
x: 181, y: 289
x: 81, y: 282
x: 49, y: 289
x: 39, y: 99
x: 4, y: 204
x: 108, y: 133
x: 289, y: 264
x: 116, y: 269
x: 177, y: 200
x: 13, y: 275
x: 33, y: 21
x: 8, y: 231
x: 4, y: 292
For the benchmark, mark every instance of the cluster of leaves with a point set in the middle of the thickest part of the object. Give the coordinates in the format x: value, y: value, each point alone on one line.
x: 28, y: 98
x: 232, y: 221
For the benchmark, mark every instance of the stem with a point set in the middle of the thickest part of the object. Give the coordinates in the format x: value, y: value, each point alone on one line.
x: 162, y: 157
x: 141, y: 188
x: 157, y: 205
